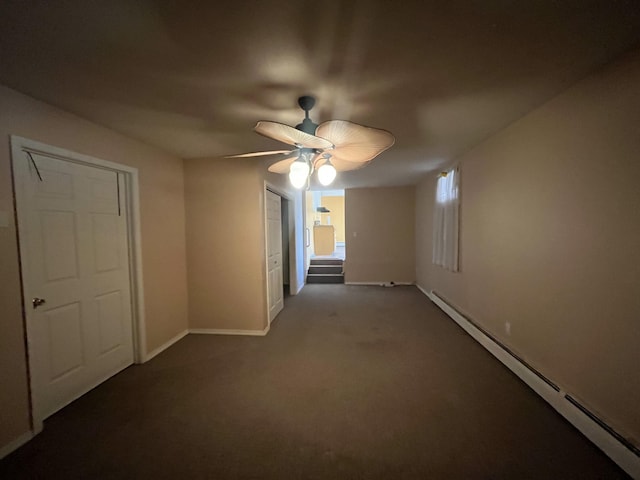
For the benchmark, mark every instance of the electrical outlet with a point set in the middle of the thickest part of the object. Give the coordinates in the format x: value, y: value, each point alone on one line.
x: 507, y: 328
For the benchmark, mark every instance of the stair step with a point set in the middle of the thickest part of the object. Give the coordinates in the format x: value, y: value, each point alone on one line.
x: 326, y: 261
x: 325, y: 278
x: 326, y: 269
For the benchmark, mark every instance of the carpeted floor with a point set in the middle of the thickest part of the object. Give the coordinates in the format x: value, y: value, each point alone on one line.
x: 351, y: 382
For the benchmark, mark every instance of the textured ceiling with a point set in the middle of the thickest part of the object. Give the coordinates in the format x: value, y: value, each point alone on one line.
x: 193, y: 77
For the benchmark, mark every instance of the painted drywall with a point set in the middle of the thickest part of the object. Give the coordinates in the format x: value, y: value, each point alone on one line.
x: 225, y: 244
x: 336, y: 206
x: 310, y: 217
x: 380, y: 238
x: 550, y: 241
x: 162, y: 230
x: 299, y: 260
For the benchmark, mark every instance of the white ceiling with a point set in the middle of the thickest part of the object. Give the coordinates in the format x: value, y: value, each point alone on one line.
x: 193, y: 77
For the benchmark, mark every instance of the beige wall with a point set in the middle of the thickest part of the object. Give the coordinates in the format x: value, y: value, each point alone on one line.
x: 380, y: 239
x: 336, y: 205
x: 550, y: 241
x: 163, y: 237
x: 225, y: 244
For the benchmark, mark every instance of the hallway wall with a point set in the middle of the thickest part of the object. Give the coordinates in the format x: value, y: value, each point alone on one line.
x: 226, y: 242
x: 380, y: 238
x: 550, y: 235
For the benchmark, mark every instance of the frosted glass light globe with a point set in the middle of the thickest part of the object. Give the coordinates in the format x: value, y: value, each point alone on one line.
x: 298, y: 173
x: 326, y: 174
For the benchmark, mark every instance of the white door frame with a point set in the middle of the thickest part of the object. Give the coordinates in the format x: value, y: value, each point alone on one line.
x: 19, y: 146
x: 294, y: 288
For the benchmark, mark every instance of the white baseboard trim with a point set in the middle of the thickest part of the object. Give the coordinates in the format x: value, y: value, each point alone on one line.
x: 558, y: 399
x: 15, y: 444
x: 165, y: 345
x: 229, y: 331
x: 423, y: 291
x: 379, y: 284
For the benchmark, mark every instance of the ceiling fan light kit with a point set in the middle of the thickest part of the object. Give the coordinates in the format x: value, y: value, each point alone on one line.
x: 326, y: 173
x: 331, y: 147
x: 300, y: 171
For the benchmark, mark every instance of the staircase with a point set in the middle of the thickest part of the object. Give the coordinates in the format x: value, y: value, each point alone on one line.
x: 325, y: 271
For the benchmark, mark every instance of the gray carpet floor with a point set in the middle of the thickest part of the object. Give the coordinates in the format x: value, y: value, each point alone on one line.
x: 351, y: 382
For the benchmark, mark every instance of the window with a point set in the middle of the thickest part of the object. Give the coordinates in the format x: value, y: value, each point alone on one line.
x: 446, y: 220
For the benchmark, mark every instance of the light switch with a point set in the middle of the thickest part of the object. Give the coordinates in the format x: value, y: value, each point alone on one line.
x: 4, y: 219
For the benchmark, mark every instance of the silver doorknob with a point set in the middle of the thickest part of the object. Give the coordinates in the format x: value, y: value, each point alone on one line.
x: 37, y: 302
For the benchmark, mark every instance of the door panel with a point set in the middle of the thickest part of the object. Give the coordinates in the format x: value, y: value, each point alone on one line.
x: 110, y: 321
x: 58, y: 230
x: 66, y: 348
x: 74, y: 227
x: 274, y: 254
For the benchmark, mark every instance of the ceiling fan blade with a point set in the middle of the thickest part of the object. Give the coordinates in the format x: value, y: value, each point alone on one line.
x: 286, y: 134
x: 344, y: 166
x: 340, y: 165
x: 353, y: 142
x: 283, y: 165
x: 258, y: 154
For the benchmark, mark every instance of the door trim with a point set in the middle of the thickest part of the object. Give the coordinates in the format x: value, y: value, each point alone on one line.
x: 268, y: 189
x: 294, y: 260
x: 18, y: 146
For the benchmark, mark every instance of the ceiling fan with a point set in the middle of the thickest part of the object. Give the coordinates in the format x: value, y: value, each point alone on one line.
x: 333, y: 146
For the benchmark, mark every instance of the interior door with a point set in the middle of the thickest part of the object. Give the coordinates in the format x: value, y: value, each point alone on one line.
x: 73, y: 229
x: 275, y: 291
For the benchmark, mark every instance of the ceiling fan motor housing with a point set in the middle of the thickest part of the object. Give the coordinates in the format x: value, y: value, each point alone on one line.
x: 306, y: 103
x: 307, y: 126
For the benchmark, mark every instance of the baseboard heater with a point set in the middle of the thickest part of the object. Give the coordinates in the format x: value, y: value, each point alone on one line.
x: 616, y: 446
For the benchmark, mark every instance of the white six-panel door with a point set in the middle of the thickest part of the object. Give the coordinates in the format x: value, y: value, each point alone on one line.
x: 275, y: 290
x: 72, y: 221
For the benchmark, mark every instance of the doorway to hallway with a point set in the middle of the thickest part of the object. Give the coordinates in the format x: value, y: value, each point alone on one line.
x: 326, y: 224
x: 326, y: 236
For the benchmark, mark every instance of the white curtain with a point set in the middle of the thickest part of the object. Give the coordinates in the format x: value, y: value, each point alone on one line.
x: 446, y: 221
